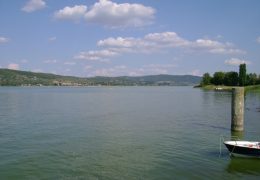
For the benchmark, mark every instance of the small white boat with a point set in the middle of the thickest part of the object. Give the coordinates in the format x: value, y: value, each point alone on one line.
x: 243, y: 148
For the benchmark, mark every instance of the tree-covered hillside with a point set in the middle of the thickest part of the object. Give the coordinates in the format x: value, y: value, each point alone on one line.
x: 25, y: 78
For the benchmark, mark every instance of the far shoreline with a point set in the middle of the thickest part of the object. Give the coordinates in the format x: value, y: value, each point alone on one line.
x: 228, y: 88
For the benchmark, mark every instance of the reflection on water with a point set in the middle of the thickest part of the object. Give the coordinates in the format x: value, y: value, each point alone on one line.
x: 244, y: 166
x: 213, y: 126
x: 237, y: 135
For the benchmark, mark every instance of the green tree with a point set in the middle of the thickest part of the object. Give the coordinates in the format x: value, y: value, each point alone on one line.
x: 258, y: 79
x: 242, y: 74
x: 218, y: 78
x: 251, y: 79
x: 231, y: 78
x: 206, y: 79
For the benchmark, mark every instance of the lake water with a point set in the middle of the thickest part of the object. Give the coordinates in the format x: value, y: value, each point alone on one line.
x: 121, y: 133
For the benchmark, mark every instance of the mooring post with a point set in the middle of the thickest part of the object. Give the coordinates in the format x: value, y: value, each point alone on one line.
x: 237, y: 109
x: 237, y: 135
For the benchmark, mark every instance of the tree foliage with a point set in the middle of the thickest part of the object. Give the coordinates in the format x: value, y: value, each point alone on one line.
x: 231, y: 78
x: 218, y: 78
x: 251, y: 79
x: 206, y: 79
x: 242, y: 75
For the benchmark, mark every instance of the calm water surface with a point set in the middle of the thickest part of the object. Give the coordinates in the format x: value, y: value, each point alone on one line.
x: 121, y: 133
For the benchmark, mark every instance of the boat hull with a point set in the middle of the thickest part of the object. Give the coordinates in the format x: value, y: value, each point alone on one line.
x: 243, y: 151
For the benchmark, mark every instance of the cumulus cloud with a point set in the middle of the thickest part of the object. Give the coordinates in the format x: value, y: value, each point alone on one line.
x: 150, y: 43
x: 118, y: 42
x: 166, y: 39
x: 74, y: 13
x: 3, y: 40
x: 99, y: 55
x: 217, y: 47
x: 109, y: 14
x: 33, y: 5
x: 13, y: 66
x: 155, y: 42
x: 236, y: 62
x: 115, y: 15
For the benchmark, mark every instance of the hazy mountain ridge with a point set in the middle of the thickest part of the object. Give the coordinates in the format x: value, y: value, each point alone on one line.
x: 24, y: 78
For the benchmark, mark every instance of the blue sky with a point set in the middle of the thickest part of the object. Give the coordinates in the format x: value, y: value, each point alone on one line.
x: 129, y: 37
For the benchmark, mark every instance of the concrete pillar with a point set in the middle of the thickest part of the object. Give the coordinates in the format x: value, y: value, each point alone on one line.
x: 237, y: 135
x: 237, y: 109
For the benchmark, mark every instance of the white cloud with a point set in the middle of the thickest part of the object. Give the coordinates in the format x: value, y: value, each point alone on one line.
x: 99, y: 55
x: 109, y: 14
x: 33, y: 5
x: 150, y: 43
x: 236, y: 62
x: 115, y: 15
x: 258, y: 39
x: 217, y: 47
x: 3, y: 40
x: 13, y: 66
x: 74, y: 13
x: 118, y: 42
x: 155, y: 42
x: 166, y: 39
x: 208, y: 43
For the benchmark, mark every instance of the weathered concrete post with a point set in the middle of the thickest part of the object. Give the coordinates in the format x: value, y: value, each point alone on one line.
x: 237, y: 109
x: 236, y: 135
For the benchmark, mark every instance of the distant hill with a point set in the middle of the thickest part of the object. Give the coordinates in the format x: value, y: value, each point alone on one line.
x: 24, y: 78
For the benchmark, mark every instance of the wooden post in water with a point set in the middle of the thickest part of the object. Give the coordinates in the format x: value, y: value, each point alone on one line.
x: 237, y: 109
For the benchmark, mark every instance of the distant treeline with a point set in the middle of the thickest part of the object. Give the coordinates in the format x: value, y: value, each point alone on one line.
x: 231, y: 78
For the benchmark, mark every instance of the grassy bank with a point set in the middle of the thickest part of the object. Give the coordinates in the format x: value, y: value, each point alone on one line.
x: 214, y: 87
x: 229, y: 88
x: 255, y: 88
